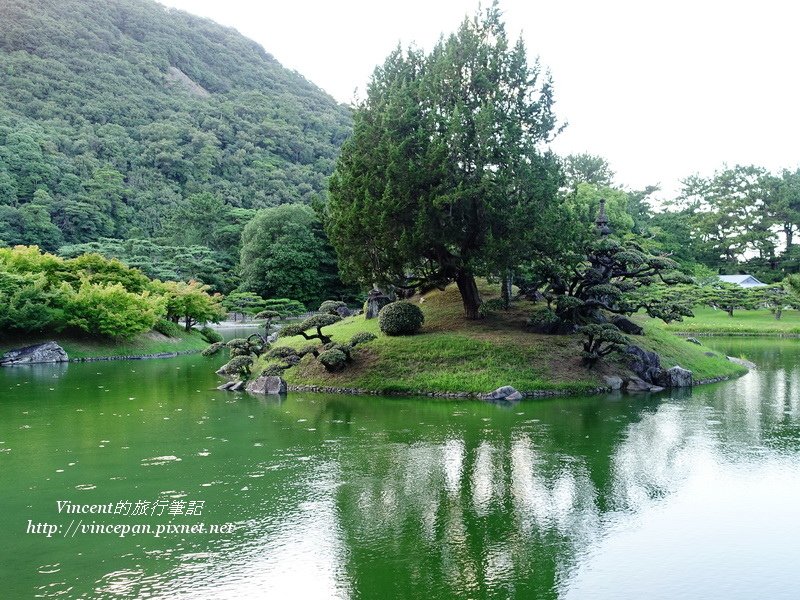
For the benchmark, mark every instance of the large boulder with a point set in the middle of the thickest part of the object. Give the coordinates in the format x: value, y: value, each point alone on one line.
x: 613, y: 381
x: 505, y: 393
x: 625, y: 325
x: 343, y: 312
x: 49, y: 352
x: 267, y: 384
x: 635, y: 384
x: 376, y: 300
x: 646, y: 364
x: 676, y: 377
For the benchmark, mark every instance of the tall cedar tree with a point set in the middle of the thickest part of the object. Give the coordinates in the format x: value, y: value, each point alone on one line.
x: 446, y: 176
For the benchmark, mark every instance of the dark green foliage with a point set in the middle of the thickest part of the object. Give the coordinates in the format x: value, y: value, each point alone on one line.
x: 612, y: 276
x: 330, y: 306
x: 274, y: 370
x: 238, y: 365
x: 333, y: 360
x: 316, y: 322
x: 600, y: 341
x: 247, y: 303
x: 545, y: 321
x: 165, y: 262
x: 268, y: 315
x: 491, y: 306
x: 126, y: 119
x: 587, y: 168
x: 253, y: 345
x: 213, y: 349
x: 307, y: 350
x: 776, y: 298
x: 400, y: 318
x: 284, y: 307
x: 362, y: 337
x: 727, y: 296
x: 212, y: 336
x: 240, y: 351
x: 170, y: 329
x: 281, y: 352
x: 285, y: 251
x: 445, y: 176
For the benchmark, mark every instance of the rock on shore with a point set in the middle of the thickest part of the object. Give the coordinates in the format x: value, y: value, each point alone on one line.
x: 49, y: 352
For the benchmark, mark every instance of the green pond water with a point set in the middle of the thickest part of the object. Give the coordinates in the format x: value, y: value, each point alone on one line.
x: 689, y: 495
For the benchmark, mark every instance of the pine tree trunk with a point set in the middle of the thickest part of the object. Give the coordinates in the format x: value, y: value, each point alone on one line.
x: 470, y: 296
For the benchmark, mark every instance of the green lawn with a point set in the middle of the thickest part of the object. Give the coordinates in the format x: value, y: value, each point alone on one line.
x: 84, y: 347
x: 752, y: 322
x: 454, y: 355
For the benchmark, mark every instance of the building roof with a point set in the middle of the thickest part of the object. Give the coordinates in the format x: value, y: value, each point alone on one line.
x: 742, y: 280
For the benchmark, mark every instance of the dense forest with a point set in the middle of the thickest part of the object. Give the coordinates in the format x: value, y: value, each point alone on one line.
x: 183, y: 149
x: 126, y: 120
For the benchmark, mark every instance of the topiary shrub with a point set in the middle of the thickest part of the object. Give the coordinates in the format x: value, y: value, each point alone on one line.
x: 400, y: 318
x: 600, y: 340
x: 333, y: 360
x: 212, y: 336
x: 331, y: 306
x: 545, y: 321
x: 362, y: 337
x: 274, y: 370
x: 168, y: 328
x: 281, y: 352
x: 213, y: 349
x: 316, y: 322
x: 307, y: 350
x: 238, y: 365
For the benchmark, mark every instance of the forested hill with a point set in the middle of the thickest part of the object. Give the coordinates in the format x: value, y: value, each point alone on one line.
x: 126, y: 119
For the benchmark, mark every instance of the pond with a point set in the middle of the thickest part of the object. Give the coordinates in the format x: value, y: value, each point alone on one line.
x: 693, y: 494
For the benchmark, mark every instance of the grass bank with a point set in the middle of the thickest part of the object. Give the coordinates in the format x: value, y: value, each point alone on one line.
x: 743, y: 322
x: 148, y: 343
x: 454, y: 355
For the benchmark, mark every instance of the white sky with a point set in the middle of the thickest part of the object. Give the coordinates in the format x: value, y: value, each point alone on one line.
x: 662, y: 90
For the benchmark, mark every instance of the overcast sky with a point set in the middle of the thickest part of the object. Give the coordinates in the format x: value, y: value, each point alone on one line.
x: 662, y: 90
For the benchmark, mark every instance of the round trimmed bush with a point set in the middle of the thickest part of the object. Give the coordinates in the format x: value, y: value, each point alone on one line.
x: 400, y: 318
x: 333, y: 360
x: 274, y: 370
x: 212, y: 336
x: 238, y: 365
x: 281, y: 352
x: 168, y: 328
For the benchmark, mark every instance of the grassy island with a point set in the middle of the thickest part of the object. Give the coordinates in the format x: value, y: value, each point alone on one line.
x: 451, y: 354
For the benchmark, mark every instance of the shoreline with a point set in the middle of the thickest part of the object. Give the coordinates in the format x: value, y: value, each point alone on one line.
x: 734, y: 334
x: 134, y: 357
x: 321, y: 389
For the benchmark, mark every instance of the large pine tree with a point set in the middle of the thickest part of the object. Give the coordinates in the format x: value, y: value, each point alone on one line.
x: 446, y: 175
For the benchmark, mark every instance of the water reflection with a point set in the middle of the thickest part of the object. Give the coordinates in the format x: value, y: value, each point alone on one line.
x: 689, y: 495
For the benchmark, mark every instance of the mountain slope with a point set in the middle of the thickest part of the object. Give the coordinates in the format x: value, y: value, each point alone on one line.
x: 114, y: 113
